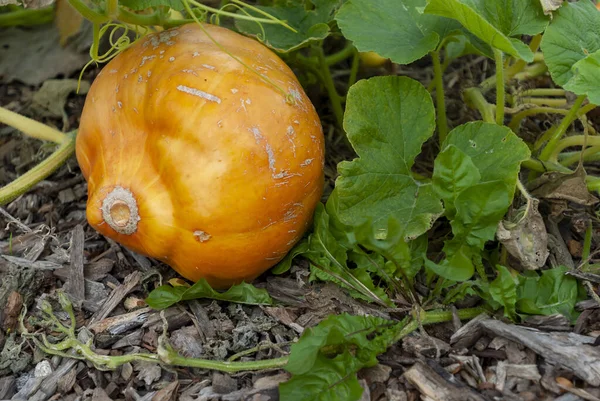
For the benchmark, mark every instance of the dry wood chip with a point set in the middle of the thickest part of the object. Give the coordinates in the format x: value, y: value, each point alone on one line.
x: 148, y: 372
x: 437, y: 388
x: 187, y: 342
x: 100, y: 395
x: 130, y: 282
x: 122, y: 323
x: 12, y: 309
x: 41, y: 389
x: 284, y: 316
x: 205, y: 327
x: 75, y: 285
x: 468, y: 334
x: 28, y: 264
x: 572, y: 352
x: 223, y: 383
x: 167, y: 393
x: 7, y: 387
x: 66, y: 383
x: 132, y: 339
x: 92, y: 271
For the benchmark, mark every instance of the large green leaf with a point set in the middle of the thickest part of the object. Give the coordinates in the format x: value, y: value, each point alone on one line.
x: 573, y: 35
x: 311, y: 24
x: 166, y: 295
x: 387, y: 120
x: 325, y: 360
x: 395, y: 29
x: 586, y: 76
x: 475, y: 175
x: 496, y: 22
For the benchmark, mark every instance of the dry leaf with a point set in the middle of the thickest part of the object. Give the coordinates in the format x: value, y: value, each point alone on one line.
x: 526, y: 239
x: 550, y: 5
x: 560, y: 186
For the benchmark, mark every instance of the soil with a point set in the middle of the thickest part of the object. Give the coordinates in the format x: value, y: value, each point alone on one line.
x: 45, y: 230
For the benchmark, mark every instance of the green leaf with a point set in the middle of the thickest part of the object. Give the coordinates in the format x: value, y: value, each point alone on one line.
x: 478, y: 211
x: 460, y: 292
x: 387, y: 120
x: 475, y: 175
x: 244, y: 293
x: 466, y: 44
x: 496, y: 22
x: 586, y: 75
x: 573, y: 34
x: 552, y: 292
x: 325, y: 360
x: 495, y: 150
x: 503, y: 290
x: 144, y: 4
x: 454, y: 171
x: 457, y: 266
x: 329, y: 262
x: 388, y: 241
x: 394, y: 29
x: 310, y: 24
x: 285, y: 265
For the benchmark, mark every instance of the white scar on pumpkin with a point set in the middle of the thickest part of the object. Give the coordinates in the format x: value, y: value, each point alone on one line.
x: 199, y: 93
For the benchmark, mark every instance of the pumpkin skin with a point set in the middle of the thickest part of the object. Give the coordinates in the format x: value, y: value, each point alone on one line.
x: 193, y: 159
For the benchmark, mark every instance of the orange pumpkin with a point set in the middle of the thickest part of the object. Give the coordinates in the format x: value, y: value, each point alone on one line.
x: 194, y: 159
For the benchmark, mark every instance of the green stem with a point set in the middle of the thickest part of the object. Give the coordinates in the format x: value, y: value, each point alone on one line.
x: 172, y: 358
x: 434, y: 317
x: 517, y: 67
x: 27, y: 17
x: 31, y: 127
x: 590, y: 154
x: 354, y: 69
x: 516, y: 120
x: 500, y: 102
x: 562, y: 128
x: 574, y: 140
x: 89, y: 14
x: 544, y: 167
x: 544, y: 92
x: 327, y: 80
x: 442, y: 121
x: 532, y: 71
x: 343, y: 54
x: 474, y: 98
x: 112, y: 9
x: 39, y: 172
x: 543, y: 101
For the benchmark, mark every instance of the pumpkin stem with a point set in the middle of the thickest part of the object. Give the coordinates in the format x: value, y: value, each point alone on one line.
x: 120, y: 211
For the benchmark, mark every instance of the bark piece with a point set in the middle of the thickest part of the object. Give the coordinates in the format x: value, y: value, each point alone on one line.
x: 130, y: 282
x: 434, y: 386
x: 572, y: 352
x: 75, y: 286
x: 92, y: 271
x: 467, y: 335
x: 11, y: 311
